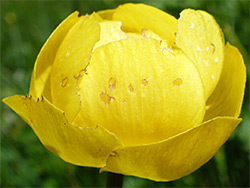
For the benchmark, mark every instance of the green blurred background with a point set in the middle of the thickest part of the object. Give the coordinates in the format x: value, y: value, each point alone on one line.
x: 25, y: 26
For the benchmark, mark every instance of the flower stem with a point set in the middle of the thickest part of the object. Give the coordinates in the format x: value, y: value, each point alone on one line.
x: 114, y: 180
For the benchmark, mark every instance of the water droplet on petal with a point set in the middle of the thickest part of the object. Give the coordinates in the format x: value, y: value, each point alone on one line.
x: 64, y: 82
x: 177, y: 82
x: 67, y: 54
x: 130, y: 88
x: 105, y: 98
x: 216, y: 60
x: 206, y: 63
x: 198, y: 48
x: 112, y: 83
x: 212, y: 76
x: 192, y: 25
x: 144, y: 81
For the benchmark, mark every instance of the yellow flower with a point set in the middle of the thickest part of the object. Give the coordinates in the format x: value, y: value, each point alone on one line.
x: 135, y: 91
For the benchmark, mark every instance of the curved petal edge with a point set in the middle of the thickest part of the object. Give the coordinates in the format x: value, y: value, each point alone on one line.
x: 175, y: 157
x: 88, y: 146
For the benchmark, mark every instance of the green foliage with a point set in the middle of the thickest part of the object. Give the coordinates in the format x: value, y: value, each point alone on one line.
x: 25, y: 26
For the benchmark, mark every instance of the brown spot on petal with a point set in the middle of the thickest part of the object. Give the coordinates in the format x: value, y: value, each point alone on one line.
x: 112, y: 83
x: 144, y: 81
x: 177, y: 82
x: 212, y: 44
x: 143, y: 32
x: 105, y: 98
x: 64, y: 82
x: 130, y: 88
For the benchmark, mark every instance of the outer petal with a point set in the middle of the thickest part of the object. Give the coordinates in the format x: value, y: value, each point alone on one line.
x: 106, y: 14
x: 200, y: 37
x: 141, y: 93
x: 80, y: 146
x: 227, y: 98
x: 136, y: 17
x: 70, y: 63
x: 40, y: 81
x: 175, y: 157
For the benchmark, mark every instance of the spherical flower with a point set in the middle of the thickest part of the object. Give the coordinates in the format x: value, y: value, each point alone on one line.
x: 135, y: 91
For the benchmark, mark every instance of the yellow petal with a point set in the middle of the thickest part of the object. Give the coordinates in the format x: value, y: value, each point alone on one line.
x: 40, y: 81
x: 200, y: 37
x: 136, y: 17
x: 71, y: 60
x: 227, y: 98
x: 106, y: 14
x: 140, y: 93
x: 110, y: 31
x: 176, y: 157
x: 80, y: 146
x: 150, y: 34
x: 134, y: 35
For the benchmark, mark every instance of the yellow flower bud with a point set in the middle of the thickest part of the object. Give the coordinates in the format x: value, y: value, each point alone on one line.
x: 135, y: 91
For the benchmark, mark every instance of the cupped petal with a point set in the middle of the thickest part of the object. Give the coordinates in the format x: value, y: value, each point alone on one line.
x: 81, y: 146
x: 70, y: 63
x: 201, y: 39
x: 175, y: 157
x: 40, y: 80
x: 227, y: 97
x: 142, y: 93
x: 135, y: 17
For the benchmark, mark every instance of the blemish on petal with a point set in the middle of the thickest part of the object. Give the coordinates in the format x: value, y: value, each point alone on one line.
x: 207, y: 48
x: 143, y: 32
x: 25, y: 97
x: 25, y: 105
x: 39, y: 99
x: 114, y: 154
x: 80, y: 74
x: 105, y: 98
x: 100, y: 149
x: 64, y: 82
x: 130, y: 88
x: 213, y: 46
x: 112, y: 83
x: 144, y: 81
x: 177, y: 82
x: 212, y: 77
